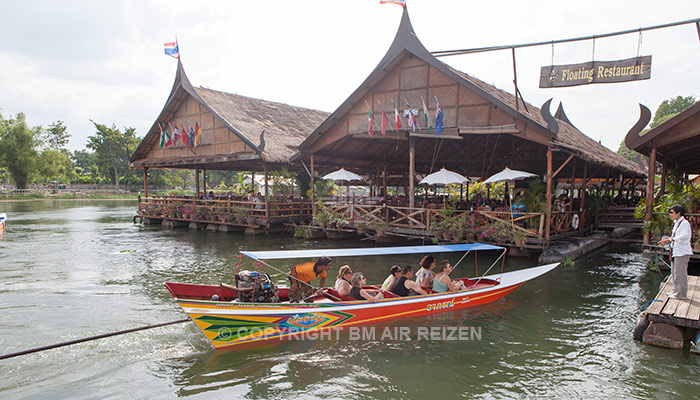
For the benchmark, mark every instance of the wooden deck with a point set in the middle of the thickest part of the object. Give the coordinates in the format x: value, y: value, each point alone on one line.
x: 685, y: 313
x: 668, y: 319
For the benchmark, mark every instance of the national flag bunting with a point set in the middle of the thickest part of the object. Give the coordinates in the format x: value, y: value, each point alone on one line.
x: 385, y: 122
x: 401, y: 3
x: 197, y: 133
x: 184, y: 136
x: 412, y: 123
x: 191, y: 138
x: 172, y: 49
x: 438, y: 119
x: 425, y: 114
x: 397, y: 116
x: 162, y: 136
x: 370, y: 121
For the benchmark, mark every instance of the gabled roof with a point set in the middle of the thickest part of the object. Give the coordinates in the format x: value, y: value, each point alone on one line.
x: 677, y: 140
x: 406, y: 42
x: 284, y: 126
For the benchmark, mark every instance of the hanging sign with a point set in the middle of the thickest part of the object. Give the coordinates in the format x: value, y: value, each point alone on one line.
x: 632, y: 69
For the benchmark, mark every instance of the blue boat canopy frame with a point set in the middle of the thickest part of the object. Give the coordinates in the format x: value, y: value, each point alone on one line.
x: 367, y: 251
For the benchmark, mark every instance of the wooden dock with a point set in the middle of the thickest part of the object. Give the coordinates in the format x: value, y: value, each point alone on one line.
x: 668, y: 319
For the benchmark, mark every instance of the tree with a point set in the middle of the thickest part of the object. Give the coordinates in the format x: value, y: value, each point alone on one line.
x: 670, y: 108
x: 55, y: 165
x: 627, y: 153
x: 56, y: 137
x: 17, y: 152
x: 113, y: 149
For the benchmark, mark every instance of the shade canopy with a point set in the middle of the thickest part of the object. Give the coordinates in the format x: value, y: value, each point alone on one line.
x: 509, y: 175
x: 444, y: 177
x: 367, y: 251
x: 343, y: 175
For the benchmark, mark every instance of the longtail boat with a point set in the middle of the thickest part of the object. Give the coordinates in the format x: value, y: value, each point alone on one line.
x: 227, y: 321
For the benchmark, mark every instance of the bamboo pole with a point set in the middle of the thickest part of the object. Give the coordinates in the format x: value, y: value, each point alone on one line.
x: 313, y: 189
x: 412, y: 173
x: 548, y: 218
x: 650, y: 190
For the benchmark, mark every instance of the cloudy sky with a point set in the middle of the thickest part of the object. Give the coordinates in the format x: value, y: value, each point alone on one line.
x: 82, y: 60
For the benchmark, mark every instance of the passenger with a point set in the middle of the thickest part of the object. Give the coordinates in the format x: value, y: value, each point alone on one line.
x: 404, y: 286
x: 358, y: 279
x: 307, y: 272
x: 342, y: 284
x: 443, y: 283
x: 425, y: 275
x: 394, y: 273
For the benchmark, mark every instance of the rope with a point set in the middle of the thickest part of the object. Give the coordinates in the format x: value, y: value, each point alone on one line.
x: 87, y: 339
x: 645, y: 305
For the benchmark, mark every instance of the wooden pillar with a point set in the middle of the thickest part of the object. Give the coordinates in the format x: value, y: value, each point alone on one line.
x: 581, y: 217
x: 267, y: 198
x: 411, y: 172
x: 196, y: 182
x: 573, y: 178
x: 384, y: 183
x: 145, y: 183
x: 650, y: 190
x: 313, y: 189
x: 662, y: 188
x: 548, y: 197
x: 204, y: 181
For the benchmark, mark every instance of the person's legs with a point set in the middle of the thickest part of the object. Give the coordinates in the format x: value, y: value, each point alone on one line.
x: 680, y: 277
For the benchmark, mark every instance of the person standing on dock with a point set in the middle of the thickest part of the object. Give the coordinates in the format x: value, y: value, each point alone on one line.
x: 680, y: 251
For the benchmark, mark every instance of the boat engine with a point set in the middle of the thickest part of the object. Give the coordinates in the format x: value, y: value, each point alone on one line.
x: 264, y: 291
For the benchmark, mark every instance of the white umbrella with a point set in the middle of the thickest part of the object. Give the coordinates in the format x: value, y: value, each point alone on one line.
x: 508, y: 175
x: 443, y: 177
x: 343, y: 175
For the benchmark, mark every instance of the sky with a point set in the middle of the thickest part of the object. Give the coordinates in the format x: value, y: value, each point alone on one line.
x: 83, y: 60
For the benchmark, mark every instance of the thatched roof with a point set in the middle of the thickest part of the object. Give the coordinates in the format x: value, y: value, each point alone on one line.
x: 285, y: 126
x: 406, y: 42
x: 272, y: 130
x: 568, y: 137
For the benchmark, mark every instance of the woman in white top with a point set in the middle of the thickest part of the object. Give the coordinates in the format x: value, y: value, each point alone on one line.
x: 681, y: 251
x: 342, y: 284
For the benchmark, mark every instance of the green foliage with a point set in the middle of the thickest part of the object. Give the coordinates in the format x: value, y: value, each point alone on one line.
x: 17, y: 153
x: 113, y: 149
x: 283, y: 182
x: 568, y: 262
x: 55, y: 165
x: 670, y: 108
x: 627, y: 153
x: 55, y: 136
x: 535, y: 196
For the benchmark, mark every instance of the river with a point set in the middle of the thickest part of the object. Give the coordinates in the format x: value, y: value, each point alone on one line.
x: 71, y: 269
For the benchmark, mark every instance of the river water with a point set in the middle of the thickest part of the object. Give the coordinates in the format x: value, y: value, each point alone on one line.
x: 71, y: 269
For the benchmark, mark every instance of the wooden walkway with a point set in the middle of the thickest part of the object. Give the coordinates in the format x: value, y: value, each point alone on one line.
x: 668, y: 318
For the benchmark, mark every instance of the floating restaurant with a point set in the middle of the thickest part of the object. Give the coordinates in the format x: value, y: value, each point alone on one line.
x: 412, y: 116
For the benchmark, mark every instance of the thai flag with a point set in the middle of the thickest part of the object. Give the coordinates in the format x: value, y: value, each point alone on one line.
x: 172, y: 49
x: 401, y: 3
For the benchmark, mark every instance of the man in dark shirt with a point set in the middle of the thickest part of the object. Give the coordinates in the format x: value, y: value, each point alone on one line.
x: 404, y: 286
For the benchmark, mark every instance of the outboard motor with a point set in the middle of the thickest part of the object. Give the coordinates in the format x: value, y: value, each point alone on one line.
x: 264, y: 291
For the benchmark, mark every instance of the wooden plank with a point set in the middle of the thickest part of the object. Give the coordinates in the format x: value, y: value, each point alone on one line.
x: 670, y: 308
x: 682, y: 310
x: 694, y: 307
x: 488, y: 130
x: 657, y: 306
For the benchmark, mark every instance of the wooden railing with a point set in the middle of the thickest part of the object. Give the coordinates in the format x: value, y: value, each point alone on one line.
x: 530, y: 224
x: 233, y: 212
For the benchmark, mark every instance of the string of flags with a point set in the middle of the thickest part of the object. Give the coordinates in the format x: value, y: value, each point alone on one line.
x: 171, y: 135
x: 412, y: 121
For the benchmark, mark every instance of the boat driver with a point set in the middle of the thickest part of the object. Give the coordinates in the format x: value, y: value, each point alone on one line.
x: 307, y: 272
